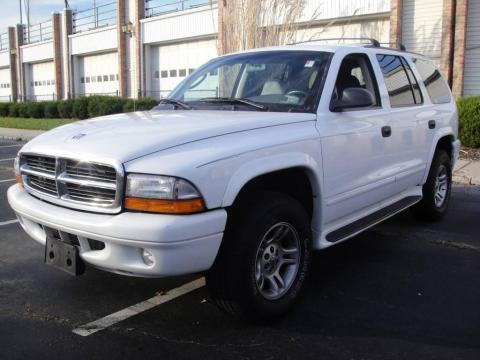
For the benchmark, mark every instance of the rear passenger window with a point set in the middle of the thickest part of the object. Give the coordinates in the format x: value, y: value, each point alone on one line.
x: 399, y: 86
x: 437, y: 88
x: 413, y: 81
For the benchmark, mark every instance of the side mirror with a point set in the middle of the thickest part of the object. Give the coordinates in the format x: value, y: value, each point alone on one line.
x: 353, y: 98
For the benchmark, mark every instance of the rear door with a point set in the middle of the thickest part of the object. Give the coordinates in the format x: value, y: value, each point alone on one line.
x: 408, y: 120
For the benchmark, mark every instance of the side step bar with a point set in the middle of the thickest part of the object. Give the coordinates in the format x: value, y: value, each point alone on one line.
x: 372, y: 219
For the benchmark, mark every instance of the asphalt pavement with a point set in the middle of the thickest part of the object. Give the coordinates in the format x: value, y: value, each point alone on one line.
x: 402, y: 290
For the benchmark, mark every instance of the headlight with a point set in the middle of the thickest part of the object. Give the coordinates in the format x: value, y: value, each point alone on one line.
x: 162, y: 194
x: 16, y: 169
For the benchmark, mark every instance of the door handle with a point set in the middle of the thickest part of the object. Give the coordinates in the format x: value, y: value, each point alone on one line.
x: 431, y: 124
x: 386, y: 131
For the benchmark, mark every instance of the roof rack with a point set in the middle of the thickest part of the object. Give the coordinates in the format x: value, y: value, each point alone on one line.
x: 399, y: 46
x: 370, y: 41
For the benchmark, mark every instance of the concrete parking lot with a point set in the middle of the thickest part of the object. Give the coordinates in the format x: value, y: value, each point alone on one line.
x: 402, y: 290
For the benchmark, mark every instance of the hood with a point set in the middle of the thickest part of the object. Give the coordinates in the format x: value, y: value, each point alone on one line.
x: 124, y: 137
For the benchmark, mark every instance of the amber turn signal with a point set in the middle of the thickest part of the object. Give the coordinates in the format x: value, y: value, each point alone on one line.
x: 19, y: 180
x: 165, y: 206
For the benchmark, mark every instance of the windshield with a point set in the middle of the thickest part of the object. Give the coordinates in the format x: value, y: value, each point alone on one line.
x: 263, y: 81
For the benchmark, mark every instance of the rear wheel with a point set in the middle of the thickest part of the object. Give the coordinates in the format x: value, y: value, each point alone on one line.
x: 264, y: 258
x: 437, y: 189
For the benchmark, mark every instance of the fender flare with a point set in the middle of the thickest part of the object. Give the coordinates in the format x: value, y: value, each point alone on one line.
x: 269, y: 164
x: 441, y: 133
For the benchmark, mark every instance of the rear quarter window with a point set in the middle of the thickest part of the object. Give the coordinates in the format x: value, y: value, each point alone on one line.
x: 437, y: 88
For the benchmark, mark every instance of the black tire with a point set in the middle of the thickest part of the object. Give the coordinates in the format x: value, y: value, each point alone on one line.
x: 428, y: 209
x: 231, y: 281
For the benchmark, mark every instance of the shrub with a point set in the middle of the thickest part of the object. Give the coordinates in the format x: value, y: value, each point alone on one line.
x: 4, y: 109
x: 51, y: 109
x: 111, y: 105
x: 80, y: 108
x: 36, y: 110
x: 94, y: 106
x: 65, y: 109
x: 142, y: 104
x: 23, y: 109
x: 469, y: 121
x: 13, y: 110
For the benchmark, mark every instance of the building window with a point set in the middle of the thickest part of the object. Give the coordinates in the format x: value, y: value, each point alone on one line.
x: 93, y: 79
x: 164, y: 74
x: 105, y: 77
x: 53, y: 82
x: 190, y: 71
x: 99, y: 78
x: 44, y: 83
x: 48, y: 82
x: 82, y: 80
x: 173, y: 73
x: 87, y: 79
x: 112, y: 77
x: 116, y: 76
x: 182, y: 72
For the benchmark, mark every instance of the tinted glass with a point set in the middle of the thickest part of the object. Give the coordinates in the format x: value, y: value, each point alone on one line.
x: 356, y: 71
x: 413, y: 81
x: 437, y: 88
x: 280, y: 80
x: 396, y: 80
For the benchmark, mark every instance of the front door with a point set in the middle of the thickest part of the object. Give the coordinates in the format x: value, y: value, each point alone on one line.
x: 355, y: 146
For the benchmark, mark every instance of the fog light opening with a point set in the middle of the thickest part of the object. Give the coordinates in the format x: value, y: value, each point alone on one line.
x: 148, y: 258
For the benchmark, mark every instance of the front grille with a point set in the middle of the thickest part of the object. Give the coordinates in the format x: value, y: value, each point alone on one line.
x: 82, y: 170
x: 48, y: 186
x: 78, y: 184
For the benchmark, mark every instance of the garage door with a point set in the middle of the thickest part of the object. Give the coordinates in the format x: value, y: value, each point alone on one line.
x: 472, y: 55
x: 41, y: 78
x: 422, y: 27
x: 170, y: 64
x: 5, y: 90
x: 98, y: 74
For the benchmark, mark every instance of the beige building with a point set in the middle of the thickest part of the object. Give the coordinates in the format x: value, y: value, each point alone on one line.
x: 146, y: 47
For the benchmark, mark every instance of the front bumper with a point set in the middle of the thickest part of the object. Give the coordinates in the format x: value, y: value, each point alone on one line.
x: 180, y: 244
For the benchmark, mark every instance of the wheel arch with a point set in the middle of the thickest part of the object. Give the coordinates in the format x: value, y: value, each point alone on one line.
x: 280, y: 173
x: 443, y: 140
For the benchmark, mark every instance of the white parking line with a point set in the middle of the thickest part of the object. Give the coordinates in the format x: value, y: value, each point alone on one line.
x: 8, y: 180
x: 8, y: 222
x: 112, y: 319
x: 5, y: 146
x: 7, y: 159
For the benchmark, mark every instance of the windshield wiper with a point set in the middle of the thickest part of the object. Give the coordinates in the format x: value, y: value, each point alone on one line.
x: 236, y: 101
x: 176, y: 103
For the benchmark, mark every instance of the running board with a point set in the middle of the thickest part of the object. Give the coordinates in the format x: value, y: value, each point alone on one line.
x: 372, y: 219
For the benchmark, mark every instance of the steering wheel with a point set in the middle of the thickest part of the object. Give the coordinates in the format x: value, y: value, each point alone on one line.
x: 298, y: 93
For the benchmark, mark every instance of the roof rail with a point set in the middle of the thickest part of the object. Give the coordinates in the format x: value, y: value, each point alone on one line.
x: 399, y: 46
x: 370, y: 41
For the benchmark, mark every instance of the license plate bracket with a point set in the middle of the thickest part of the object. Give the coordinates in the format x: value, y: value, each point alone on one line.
x: 63, y: 256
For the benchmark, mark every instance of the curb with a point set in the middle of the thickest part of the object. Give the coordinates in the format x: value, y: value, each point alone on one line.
x: 465, y: 180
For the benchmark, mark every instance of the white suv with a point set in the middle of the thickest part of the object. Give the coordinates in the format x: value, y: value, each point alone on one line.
x: 253, y: 161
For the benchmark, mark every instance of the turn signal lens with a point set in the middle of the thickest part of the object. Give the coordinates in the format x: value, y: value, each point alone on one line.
x: 16, y: 169
x: 19, y: 180
x: 165, y: 206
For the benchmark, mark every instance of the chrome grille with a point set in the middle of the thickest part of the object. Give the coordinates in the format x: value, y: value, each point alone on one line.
x: 73, y: 183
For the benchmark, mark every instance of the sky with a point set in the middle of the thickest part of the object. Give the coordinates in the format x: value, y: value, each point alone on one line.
x: 40, y: 10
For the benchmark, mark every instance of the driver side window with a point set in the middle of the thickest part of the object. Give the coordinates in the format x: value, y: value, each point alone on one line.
x: 356, y: 72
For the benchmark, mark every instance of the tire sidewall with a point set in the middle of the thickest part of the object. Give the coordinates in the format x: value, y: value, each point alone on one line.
x: 295, y: 216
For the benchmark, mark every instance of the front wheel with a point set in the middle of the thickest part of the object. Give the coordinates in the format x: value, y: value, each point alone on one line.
x: 437, y: 189
x: 264, y: 258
